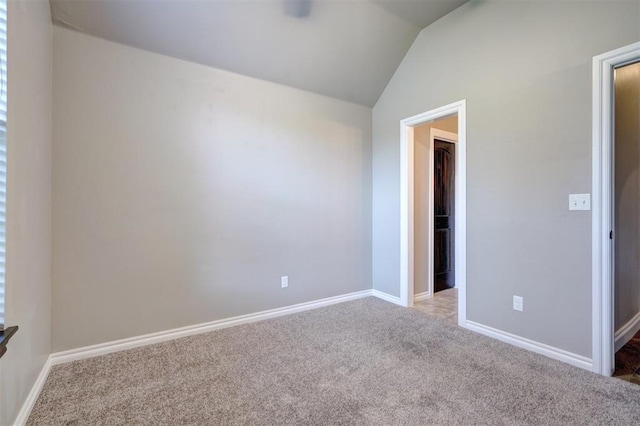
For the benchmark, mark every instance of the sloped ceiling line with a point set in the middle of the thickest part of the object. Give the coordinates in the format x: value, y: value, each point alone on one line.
x: 346, y: 49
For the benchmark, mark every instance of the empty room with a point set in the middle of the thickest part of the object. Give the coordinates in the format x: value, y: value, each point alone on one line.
x: 319, y: 212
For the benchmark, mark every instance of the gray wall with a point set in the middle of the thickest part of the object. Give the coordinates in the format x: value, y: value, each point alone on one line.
x: 28, y: 302
x: 525, y: 70
x: 182, y: 193
x: 627, y: 193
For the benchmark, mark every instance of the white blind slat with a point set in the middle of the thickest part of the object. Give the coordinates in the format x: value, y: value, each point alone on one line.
x: 3, y: 151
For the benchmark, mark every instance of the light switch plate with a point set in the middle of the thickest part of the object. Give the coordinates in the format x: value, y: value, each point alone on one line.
x: 579, y: 201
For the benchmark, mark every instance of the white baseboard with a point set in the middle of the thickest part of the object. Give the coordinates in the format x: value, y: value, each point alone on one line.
x: 25, y: 410
x: 421, y: 296
x: 532, y: 345
x: 163, y: 336
x: 385, y: 296
x: 626, y: 332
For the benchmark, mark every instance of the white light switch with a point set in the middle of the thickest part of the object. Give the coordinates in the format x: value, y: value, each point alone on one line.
x: 579, y: 201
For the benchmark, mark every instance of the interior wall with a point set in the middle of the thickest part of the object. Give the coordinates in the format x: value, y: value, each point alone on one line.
x: 421, y: 223
x: 524, y: 69
x: 183, y: 193
x: 28, y: 289
x: 627, y: 194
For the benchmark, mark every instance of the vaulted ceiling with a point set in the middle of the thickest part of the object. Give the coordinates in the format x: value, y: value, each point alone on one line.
x: 346, y: 49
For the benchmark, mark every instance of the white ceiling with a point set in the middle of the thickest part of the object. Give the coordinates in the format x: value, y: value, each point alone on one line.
x: 346, y: 49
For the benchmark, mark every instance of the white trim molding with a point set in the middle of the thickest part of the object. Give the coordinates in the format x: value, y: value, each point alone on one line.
x: 602, y: 203
x: 406, y: 211
x: 532, y: 345
x: 422, y: 296
x: 32, y: 397
x: 626, y: 332
x: 406, y: 203
x: 386, y: 296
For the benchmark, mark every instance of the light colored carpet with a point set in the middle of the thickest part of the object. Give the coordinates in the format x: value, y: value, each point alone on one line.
x: 365, y: 362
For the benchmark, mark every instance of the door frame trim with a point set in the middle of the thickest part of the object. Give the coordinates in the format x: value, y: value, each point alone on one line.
x: 602, y: 211
x: 447, y: 137
x: 407, y: 203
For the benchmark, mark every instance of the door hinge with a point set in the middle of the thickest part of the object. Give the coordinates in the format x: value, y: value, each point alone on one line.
x: 611, y: 235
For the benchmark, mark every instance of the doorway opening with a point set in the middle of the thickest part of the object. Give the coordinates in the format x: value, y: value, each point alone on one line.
x: 608, y: 331
x: 434, y: 283
x: 626, y: 218
x: 433, y: 212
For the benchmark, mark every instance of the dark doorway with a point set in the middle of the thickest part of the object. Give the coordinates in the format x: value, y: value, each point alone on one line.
x: 444, y: 214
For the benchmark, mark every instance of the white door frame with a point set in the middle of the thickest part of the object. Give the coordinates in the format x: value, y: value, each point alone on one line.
x: 407, y: 203
x: 602, y: 212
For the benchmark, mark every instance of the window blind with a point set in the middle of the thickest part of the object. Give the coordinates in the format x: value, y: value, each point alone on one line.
x: 3, y: 152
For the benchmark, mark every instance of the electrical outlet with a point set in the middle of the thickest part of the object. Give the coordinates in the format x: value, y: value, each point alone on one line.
x: 518, y: 303
x: 284, y: 281
x: 579, y: 201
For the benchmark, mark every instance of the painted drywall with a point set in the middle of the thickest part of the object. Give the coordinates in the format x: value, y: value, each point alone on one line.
x: 627, y: 194
x: 28, y: 289
x: 421, y: 222
x: 183, y: 193
x: 525, y: 70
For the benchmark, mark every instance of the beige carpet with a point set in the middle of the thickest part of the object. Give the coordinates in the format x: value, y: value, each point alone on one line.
x: 365, y: 362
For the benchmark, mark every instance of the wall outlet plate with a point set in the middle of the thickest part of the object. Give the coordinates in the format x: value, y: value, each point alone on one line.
x: 518, y: 303
x: 579, y: 201
x: 284, y: 281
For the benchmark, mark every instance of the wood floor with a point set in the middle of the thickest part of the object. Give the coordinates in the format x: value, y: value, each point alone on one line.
x: 443, y: 304
x: 628, y: 361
